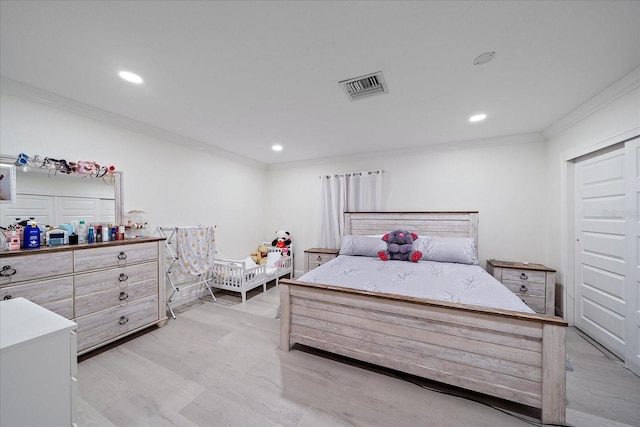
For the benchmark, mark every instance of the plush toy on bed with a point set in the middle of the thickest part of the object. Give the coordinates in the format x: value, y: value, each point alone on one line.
x: 260, y: 256
x: 400, y: 246
x: 282, y: 241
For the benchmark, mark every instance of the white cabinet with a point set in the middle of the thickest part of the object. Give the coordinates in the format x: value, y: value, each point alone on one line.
x: 38, y: 366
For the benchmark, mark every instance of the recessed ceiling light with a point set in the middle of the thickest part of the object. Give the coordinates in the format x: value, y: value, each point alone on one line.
x: 130, y: 77
x: 477, y: 118
x: 276, y: 147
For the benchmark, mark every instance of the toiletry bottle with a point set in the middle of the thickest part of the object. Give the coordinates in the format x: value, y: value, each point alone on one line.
x: 31, y: 236
x: 114, y: 233
x: 99, y: 233
x: 14, y: 240
x: 90, y: 236
x: 82, y: 232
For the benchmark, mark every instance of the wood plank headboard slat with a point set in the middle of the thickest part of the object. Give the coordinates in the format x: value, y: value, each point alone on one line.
x: 438, y: 224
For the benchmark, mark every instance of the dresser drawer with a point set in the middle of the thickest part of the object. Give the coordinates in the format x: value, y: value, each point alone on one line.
x: 35, y: 266
x: 107, y: 325
x: 523, y: 275
x: 114, y: 256
x: 54, y: 294
x: 114, y: 287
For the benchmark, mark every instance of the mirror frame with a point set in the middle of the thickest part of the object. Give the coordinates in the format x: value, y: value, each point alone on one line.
x: 117, y: 185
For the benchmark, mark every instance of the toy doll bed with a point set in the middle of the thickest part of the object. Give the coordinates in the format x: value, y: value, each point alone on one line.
x: 244, y: 275
x: 514, y: 355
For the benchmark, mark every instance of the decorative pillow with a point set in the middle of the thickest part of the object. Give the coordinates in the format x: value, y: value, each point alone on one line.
x: 272, y: 258
x: 461, y: 250
x: 362, y: 245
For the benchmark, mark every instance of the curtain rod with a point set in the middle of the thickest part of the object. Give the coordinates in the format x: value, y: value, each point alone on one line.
x: 338, y: 175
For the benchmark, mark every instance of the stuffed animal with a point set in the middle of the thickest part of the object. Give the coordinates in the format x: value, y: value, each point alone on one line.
x: 282, y: 240
x: 260, y: 256
x: 400, y: 246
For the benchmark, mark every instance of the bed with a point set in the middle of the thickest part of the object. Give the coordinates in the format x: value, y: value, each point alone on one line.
x: 244, y: 275
x: 514, y: 355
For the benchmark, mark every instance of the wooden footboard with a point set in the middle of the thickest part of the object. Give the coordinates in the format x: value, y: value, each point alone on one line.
x: 514, y: 356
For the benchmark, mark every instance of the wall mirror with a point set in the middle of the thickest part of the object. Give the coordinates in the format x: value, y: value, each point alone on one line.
x: 53, y: 198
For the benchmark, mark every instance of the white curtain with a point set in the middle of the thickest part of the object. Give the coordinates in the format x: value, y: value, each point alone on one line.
x: 350, y: 192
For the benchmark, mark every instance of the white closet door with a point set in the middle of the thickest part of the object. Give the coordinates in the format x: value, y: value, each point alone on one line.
x: 632, y: 296
x: 601, y: 268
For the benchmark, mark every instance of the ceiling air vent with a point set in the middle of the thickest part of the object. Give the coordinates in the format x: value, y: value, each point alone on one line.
x: 363, y: 86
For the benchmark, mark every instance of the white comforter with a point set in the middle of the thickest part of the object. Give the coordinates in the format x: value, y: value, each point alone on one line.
x: 459, y: 283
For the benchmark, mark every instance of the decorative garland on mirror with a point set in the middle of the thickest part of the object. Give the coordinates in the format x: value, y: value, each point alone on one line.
x: 81, y: 167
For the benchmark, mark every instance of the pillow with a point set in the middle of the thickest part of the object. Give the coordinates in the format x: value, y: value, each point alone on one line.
x: 272, y: 258
x: 461, y: 250
x: 362, y: 245
x: 249, y: 262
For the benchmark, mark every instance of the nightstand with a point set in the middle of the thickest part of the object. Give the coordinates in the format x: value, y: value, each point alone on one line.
x: 532, y: 283
x: 315, y: 257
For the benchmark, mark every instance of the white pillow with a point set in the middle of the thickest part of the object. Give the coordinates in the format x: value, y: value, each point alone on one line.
x: 272, y: 258
x: 362, y: 245
x: 249, y: 262
x: 461, y: 250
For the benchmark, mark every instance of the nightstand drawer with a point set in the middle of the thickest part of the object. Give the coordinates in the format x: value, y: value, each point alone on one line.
x: 320, y: 259
x: 536, y: 303
x: 523, y: 276
x: 525, y: 288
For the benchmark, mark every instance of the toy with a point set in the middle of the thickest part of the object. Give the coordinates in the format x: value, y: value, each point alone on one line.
x: 282, y: 240
x: 400, y: 246
x: 260, y: 256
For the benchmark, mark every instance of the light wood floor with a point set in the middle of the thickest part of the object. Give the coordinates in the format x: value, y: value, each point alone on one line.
x: 218, y: 364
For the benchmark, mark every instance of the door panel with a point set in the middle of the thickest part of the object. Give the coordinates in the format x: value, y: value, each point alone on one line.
x: 632, y: 291
x: 607, y: 251
x: 600, y: 248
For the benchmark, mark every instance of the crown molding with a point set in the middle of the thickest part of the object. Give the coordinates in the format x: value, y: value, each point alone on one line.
x: 32, y: 93
x: 623, y: 86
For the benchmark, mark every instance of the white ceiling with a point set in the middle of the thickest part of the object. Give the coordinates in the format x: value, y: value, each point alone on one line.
x: 241, y: 76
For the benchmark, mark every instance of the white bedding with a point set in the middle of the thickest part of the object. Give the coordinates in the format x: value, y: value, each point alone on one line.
x: 459, y: 283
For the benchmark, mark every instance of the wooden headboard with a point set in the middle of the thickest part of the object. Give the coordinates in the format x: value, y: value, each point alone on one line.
x: 438, y: 224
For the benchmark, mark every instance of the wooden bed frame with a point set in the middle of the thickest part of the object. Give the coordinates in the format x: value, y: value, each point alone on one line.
x: 515, y: 356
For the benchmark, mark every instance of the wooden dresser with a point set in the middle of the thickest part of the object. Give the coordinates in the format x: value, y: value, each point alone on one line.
x: 110, y: 289
x: 532, y: 283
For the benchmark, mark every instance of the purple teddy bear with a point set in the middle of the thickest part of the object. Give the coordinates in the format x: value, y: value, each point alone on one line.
x: 400, y: 246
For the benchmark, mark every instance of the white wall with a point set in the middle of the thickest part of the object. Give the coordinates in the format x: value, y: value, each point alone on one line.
x: 506, y: 183
x: 605, y: 124
x: 176, y: 185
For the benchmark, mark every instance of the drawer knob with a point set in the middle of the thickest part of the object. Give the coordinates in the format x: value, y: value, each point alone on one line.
x: 319, y: 258
x: 123, y: 296
x: 122, y: 255
x: 6, y: 297
x: 123, y: 277
x: 123, y: 320
x: 524, y: 276
x: 7, y: 271
x: 523, y: 288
